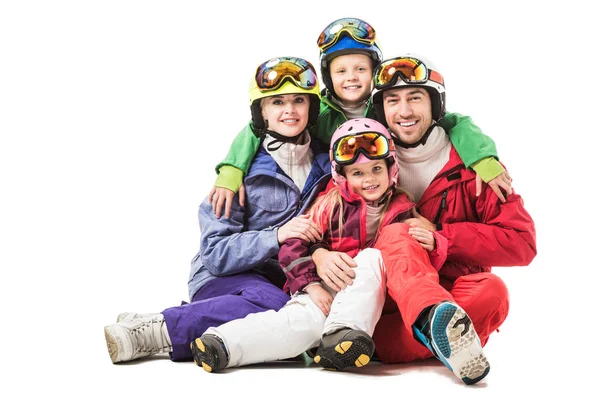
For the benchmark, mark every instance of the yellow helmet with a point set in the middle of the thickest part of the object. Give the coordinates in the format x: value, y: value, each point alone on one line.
x: 284, y: 75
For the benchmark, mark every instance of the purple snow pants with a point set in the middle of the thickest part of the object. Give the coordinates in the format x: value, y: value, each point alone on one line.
x: 221, y: 300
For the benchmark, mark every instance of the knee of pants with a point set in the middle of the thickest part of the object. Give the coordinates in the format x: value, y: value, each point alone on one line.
x: 370, y: 258
x: 495, y: 288
x: 485, y: 298
x: 304, y: 315
x: 390, y: 233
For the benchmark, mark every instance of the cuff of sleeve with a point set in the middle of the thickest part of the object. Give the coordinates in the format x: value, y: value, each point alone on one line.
x: 229, y: 178
x: 310, y: 284
x: 316, y: 247
x: 488, y: 168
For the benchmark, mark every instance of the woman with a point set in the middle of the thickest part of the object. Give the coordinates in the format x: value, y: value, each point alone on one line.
x: 236, y: 271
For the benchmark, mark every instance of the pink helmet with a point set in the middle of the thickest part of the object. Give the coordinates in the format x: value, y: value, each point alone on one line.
x: 358, y: 127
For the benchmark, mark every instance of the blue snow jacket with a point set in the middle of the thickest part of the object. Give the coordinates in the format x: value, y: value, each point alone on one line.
x: 247, y: 241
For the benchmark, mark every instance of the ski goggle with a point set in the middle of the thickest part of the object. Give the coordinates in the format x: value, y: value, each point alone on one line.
x: 411, y: 70
x: 359, y: 30
x: 271, y: 74
x: 373, y: 145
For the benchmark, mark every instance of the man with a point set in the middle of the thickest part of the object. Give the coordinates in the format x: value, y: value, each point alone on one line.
x: 449, y: 313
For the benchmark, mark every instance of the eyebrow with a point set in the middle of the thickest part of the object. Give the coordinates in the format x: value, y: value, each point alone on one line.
x: 397, y: 94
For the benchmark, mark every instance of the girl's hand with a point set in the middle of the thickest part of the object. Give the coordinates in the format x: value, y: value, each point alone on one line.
x: 301, y: 227
x: 320, y: 297
x: 219, y: 195
x: 334, y: 268
x: 424, y: 237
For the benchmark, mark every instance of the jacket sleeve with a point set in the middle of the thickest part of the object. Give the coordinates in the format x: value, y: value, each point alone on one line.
x: 227, y: 247
x: 470, y: 142
x: 440, y: 253
x: 297, y: 264
x: 242, y: 150
x: 504, y: 237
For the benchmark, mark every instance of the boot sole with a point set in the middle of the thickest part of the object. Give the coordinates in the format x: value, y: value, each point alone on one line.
x: 347, y: 353
x: 113, y: 347
x: 457, y: 344
x: 203, y: 356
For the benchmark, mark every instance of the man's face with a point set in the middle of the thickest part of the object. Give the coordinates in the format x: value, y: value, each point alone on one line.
x: 407, y: 112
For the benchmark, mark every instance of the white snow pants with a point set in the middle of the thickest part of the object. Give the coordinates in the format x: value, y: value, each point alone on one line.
x: 299, y: 325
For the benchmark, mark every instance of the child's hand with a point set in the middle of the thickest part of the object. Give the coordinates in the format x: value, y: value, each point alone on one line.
x: 502, y: 181
x: 424, y: 237
x: 334, y: 268
x: 219, y: 195
x: 320, y: 297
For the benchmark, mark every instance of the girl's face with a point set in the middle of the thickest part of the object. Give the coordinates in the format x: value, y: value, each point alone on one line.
x: 352, y: 78
x: 370, y: 180
x: 286, y: 114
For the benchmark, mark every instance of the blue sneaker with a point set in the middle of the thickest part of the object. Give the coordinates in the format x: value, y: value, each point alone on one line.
x: 452, y: 339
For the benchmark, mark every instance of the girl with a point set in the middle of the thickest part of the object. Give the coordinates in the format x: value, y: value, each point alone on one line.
x: 348, y: 55
x: 236, y: 270
x: 364, y: 199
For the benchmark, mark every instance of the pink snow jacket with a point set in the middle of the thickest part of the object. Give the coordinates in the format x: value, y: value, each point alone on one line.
x: 295, y: 254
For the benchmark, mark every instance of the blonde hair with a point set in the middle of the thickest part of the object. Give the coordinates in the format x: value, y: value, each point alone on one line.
x: 321, y: 212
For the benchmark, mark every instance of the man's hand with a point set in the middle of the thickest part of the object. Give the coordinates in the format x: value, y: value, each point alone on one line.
x: 424, y: 237
x: 320, y: 297
x: 219, y: 195
x: 334, y: 268
x: 301, y: 227
x: 502, y: 181
x: 420, y: 221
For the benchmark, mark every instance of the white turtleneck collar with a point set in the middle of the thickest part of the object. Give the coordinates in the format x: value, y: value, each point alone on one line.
x: 294, y: 159
x: 419, y: 165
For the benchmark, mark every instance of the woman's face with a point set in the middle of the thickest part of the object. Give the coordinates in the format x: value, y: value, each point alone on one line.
x: 286, y: 114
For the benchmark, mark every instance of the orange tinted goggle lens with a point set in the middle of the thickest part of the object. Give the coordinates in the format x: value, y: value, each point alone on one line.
x: 410, y: 70
x: 372, y: 145
x: 359, y: 30
x: 272, y: 74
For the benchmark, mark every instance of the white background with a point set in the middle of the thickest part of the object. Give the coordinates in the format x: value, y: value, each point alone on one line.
x: 113, y: 115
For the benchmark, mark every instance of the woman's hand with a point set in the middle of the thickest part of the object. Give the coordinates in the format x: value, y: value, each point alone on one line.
x: 301, y: 227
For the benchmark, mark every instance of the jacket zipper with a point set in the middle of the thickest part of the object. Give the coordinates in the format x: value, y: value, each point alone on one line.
x: 442, y: 206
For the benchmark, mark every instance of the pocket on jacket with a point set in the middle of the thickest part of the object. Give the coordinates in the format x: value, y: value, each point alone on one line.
x: 270, y: 196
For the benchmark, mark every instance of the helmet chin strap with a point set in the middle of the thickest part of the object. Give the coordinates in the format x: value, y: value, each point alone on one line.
x: 421, y: 141
x: 279, y: 140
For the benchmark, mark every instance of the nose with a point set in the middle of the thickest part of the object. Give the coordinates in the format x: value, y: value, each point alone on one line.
x: 289, y: 107
x: 404, y: 109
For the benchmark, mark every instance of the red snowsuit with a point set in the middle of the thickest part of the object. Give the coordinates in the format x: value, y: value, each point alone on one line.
x: 481, y: 232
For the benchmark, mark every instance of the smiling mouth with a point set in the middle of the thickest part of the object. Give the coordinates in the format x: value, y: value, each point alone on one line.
x: 353, y: 87
x: 407, y: 124
x: 372, y: 187
x: 288, y: 121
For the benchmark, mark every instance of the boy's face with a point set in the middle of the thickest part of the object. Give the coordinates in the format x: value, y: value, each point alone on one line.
x: 407, y: 113
x: 286, y: 114
x: 352, y: 78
